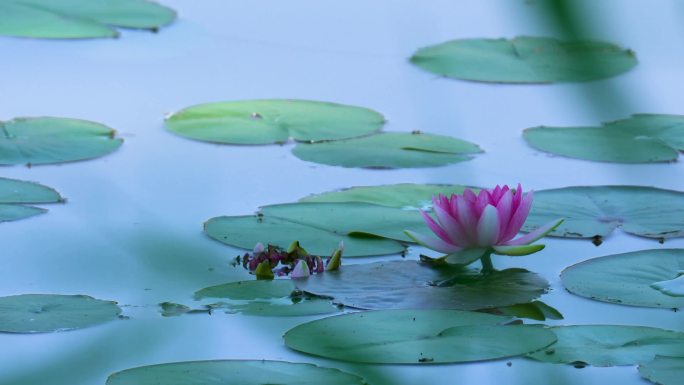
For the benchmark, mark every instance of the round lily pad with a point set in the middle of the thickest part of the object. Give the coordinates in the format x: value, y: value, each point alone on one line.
x: 265, y: 297
x: 389, y: 150
x: 416, y: 336
x: 54, y: 140
x: 246, y: 231
x: 42, y: 313
x: 641, y: 138
x: 404, y: 195
x: 626, y: 278
x: 14, y: 193
x: 77, y: 19
x: 596, y: 211
x: 525, y: 60
x: 663, y: 370
x: 610, y: 345
x: 233, y: 372
x: 415, y: 285
x: 273, y: 121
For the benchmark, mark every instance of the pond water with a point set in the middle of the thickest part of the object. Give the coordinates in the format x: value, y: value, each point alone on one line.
x: 131, y: 230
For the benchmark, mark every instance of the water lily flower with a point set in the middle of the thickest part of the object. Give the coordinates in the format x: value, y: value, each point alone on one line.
x: 472, y: 226
x: 300, y: 270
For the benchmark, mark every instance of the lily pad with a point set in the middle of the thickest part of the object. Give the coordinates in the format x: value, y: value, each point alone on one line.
x: 246, y: 231
x: 389, y: 150
x: 14, y: 193
x: 642, y: 138
x: 663, y: 370
x: 273, y: 121
x: 415, y: 285
x: 536, y: 310
x: 404, y: 195
x: 35, y: 141
x: 610, y: 345
x: 416, y: 336
x: 596, y: 211
x: 77, y: 19
x: 626, y: 278
x: 42, y: 313
x: 233, y: 372
x: 267, y: 298
x: 525, y: 60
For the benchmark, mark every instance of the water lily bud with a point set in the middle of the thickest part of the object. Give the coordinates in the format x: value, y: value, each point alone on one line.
x: 293, y: 246
x: 258, y: 248
x: 319, y: 268
x: 300, y: 270
x: 263, y: 271
x: 335, y: 260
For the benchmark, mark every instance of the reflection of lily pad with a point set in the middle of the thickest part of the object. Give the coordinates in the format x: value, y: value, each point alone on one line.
x: 405, y: 195
x: 41, y: 313
x: 74, y: 19
x: 626, y: 278
x: 598, y: 210
x: 237, y: 372
x: 273, y: 121
x: 663, y: 370
x: 54, y: 140
x: 265, y: 297
x: 641, y: 138
x: 610, y: 345
x: 14, y: 193
x: 414, y: 285
x: 389, y: 150
x: 416, y: 336
x: 525, y: 60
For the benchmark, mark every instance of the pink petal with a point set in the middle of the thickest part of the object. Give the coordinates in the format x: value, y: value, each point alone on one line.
x: 432, y: 242
x: 451, y: 226
x: 435, y: 227
x: 469, y: 195
x: 300, y: 270
x: 466, y: 216
x: 536, y: 234
x: 504, y: 209
x: 488, y: 227
x: 517, y: 198
x: 519, y: 216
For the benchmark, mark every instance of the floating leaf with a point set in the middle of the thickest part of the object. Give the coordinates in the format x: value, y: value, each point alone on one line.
x: 536, y: 310
x: 389, y: 150
x: 14, y: 192
x: 54, y: 140
x: 76, y: 19
x: 626, y: 278
x: 246, y: 231
x: 641, y: 138
x: 170, y: 309
x: 414, y: 285
x: 266, y: 297
x: 525, y: 60
x: 663, y: 370
x: 42, y: 313
x: 610, y: 345
x: 597, y: 210
x: 404, y: 195
x: 237, y: 372
x: 273, y: 121
x: 415, y: 336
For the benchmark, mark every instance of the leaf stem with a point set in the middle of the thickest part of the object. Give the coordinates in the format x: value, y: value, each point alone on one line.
x: 486, y: 260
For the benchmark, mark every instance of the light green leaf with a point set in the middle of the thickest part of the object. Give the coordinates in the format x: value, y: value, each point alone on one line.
x: 273, y: 121
x: 466, y: 256
x: 389, y: 150
x: 663, y: 370
x: 15, y: 192
x: 525, y: 60
x: 517, y: 251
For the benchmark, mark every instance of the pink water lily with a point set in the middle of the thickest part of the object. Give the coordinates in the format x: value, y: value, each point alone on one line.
x: 469, y: 225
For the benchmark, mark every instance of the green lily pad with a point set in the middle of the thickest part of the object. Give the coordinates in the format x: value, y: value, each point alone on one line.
x: 610, y: 345
x: 626, y: 278
x: 642, y: 138
x: 536, y: 310
x: 416, y: 336
x: 77, y: 19
x: 267, y: 298
x: 663, y: 370
x: 42, y: 313
x: 233, y: 372
x: 404, y: 195
x: 246, y: 231
x: 14, y: 193
x: 35, y: 141
x: 596, y: 211
x: 525, y: 60
x: 273, y: 121
x: 389, y: 150
x: 414, y: 285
